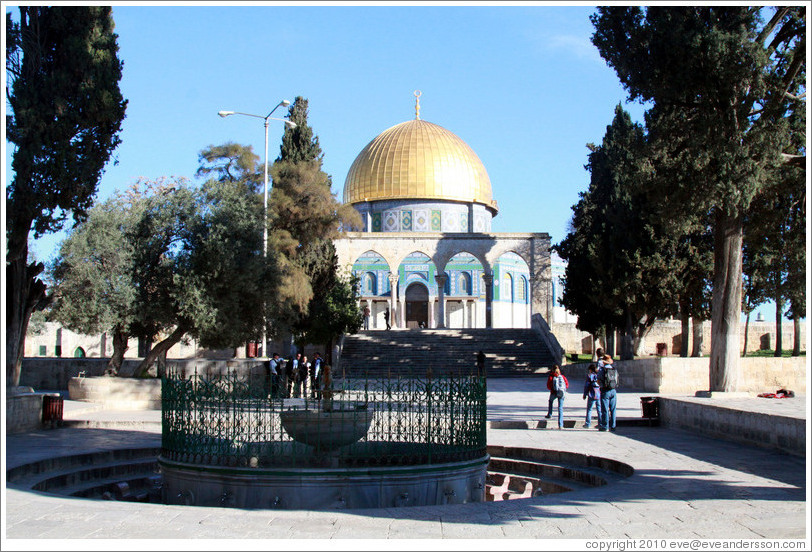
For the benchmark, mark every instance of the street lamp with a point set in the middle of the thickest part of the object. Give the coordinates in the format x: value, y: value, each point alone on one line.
x: 288, y: 124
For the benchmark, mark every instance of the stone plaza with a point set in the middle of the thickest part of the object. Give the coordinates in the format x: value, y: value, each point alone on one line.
x: 684, y: 485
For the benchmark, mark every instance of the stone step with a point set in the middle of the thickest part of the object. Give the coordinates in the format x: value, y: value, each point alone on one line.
x: 509, y: 352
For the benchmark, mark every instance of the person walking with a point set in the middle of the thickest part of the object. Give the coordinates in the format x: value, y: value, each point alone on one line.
x: 291, y: 373
x: 551, y: 388
x: 275, y: 369
x: 300, y: 389
x: 366, y: 317
x: 608, y: 380
x: 315, y: 376
x: 560, y: 385
x: 386, y: 317
x: 592, y: 394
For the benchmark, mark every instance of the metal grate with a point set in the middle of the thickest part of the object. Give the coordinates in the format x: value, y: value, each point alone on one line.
x: 230, y: 419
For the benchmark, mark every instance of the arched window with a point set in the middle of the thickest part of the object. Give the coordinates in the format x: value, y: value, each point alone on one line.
x: 464, y: 283
x: 447, y: 285
x: 521, y: 291
x: 79, y: 353
x: 370, y: 284
x: 507, y: 288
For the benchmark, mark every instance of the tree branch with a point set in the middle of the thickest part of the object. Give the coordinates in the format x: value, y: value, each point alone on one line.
x: 794, y: 160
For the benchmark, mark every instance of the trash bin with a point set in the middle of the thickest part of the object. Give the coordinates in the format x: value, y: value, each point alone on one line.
x: 52, y: 410
x: 651, y: 407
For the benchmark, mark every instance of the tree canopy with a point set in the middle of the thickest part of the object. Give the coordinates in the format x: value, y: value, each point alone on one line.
x: 722, y: 82
x: 305, y: 217
x: 64, y: 117
x: 92, y: 277
x: 625, y: 269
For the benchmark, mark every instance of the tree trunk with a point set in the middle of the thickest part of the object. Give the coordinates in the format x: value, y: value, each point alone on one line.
x: 24, y: 294
x: 120, y: 346
x: 627, y: 338
x: 685, y: 331
x: 699, y: 336
x: 796, y: 345
x: 640, y: 338
x: 158, y: 350
x: 746, y: 333
x: 610, y: 343
x: 779, y: 330
x: 726, y: 302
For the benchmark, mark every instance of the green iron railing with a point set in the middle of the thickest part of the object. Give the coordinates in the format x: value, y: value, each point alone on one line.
x: 231, y: 419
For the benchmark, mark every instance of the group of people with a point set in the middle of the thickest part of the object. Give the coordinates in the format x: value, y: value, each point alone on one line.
x: 600, y: 391
x: 296, y: 377
x: 367, y: 314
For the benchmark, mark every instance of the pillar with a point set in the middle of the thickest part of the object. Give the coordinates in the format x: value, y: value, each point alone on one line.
x: 488, y: 278
x: 393, y: 285
x: 441, y: 279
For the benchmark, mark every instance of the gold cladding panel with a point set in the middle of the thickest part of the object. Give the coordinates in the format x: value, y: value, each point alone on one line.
x: 417, y: 160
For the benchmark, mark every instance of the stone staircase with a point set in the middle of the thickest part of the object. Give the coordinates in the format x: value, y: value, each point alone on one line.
x: 508, y: 352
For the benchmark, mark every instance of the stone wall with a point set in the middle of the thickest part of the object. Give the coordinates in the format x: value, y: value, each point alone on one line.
x: 752, y: 428
x: 23, y: 412
x: 53, y: 374
x: 761, y: 336
x: 686, y: 376
x: 117, y: 393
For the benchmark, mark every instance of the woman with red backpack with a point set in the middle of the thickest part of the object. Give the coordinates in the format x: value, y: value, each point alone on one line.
x: 557, y: 384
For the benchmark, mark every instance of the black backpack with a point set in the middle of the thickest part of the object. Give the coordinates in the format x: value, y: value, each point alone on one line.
x: 610, y: 377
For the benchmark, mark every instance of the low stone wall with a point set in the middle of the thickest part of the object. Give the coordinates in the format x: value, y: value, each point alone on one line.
x: 23, y: 412
x: 686, y: 376
x: 751, y: 428
x: 118, y: 393
x: 127, y: 393
x: 55, y: 373
x: 760, y: 336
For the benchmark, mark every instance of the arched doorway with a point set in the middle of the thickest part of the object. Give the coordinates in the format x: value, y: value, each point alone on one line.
x: 417, y: 306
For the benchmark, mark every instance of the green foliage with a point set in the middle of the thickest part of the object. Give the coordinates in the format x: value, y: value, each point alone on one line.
x: 722, y: 83
x: 64, y: 114
x: 299, y: 143
x: 65, y: 111
x: 93, y: 288
x: 232, y: 162
x: 624, y: 269
x: 313, y: 302
x: 199, y: 265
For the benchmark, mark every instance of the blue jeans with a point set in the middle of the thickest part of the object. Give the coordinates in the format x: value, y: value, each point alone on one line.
x: 560, y: 408
x: 589, y: 403
x: 606, y: 416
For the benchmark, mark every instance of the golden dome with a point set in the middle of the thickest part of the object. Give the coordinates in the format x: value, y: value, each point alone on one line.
x: 418, y: 160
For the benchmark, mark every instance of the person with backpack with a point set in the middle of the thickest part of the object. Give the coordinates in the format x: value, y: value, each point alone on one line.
x: 608, y: 380
x: 558, y: 385
x: 551, y: 389
x: 592, y: 395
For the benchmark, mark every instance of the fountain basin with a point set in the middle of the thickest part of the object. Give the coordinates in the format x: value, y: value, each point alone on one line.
x: 343, y: 425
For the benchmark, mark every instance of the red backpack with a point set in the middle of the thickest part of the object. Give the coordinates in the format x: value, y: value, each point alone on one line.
x: 550, y: 381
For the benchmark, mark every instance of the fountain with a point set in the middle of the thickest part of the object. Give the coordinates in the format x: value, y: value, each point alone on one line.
x: 388, y: 441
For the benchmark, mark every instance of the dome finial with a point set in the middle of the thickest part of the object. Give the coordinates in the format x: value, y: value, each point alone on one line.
x: 417, y: 94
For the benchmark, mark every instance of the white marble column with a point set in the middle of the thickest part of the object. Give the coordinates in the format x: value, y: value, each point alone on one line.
x: 393, y: 285
x: 441, y: 280
x: 488, y: 278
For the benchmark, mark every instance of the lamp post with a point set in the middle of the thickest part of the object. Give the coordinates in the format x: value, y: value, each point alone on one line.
x: 289, y: 124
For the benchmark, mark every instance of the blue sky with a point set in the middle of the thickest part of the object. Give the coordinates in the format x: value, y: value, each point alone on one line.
x: 522, y: 85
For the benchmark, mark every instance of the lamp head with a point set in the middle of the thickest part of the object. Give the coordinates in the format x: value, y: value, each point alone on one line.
x: 225, y: 113
x: 284, y: 103
x: 290, y: 124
